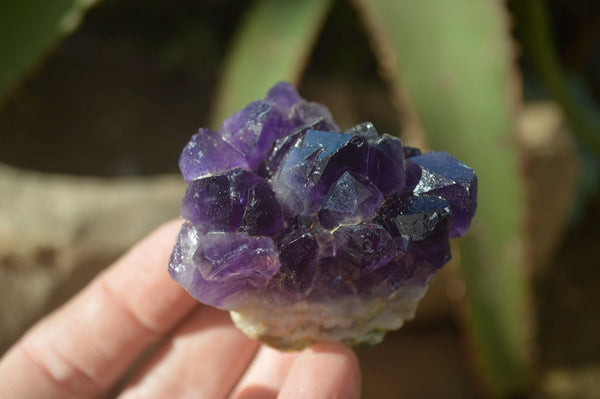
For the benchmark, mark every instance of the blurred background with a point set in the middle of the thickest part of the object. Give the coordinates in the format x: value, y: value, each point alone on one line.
x: 97, y: 99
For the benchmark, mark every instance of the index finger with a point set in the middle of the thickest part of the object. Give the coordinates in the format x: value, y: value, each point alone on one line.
x: 85, y: 346
x: 325, y: 370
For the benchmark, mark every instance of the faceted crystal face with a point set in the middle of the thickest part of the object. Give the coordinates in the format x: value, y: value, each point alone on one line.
x: 298, y: 254
x: 207, y: 154
x: 307, y: 233
x: 252, y: 130
x: 443, y: 175
x: 349, y: 200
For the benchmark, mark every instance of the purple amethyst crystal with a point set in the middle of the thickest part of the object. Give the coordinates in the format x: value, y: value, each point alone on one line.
x: 206, y: 154
x: 444, y: 176
x: 306, y: 233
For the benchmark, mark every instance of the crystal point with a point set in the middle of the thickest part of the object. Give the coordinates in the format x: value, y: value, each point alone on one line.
x: 284, y: 95
x: 207, y: 154
x: 445, y: 176
x: 252, y: 130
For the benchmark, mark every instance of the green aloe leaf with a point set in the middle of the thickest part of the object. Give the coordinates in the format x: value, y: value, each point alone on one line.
x: 533, y: 22
x: 453, y: 62
x: 28, y: 29
x: 273, y: 44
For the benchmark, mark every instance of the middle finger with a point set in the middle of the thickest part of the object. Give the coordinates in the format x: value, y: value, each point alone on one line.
x: 203, y: 358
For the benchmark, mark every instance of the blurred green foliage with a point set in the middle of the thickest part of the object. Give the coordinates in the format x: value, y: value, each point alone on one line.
x: 465, y: 98
x: 272, y: 44
x: 29, y: 28
x: 537, y: 41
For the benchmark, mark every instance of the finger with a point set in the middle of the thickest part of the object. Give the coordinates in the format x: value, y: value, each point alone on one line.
x: 265, y: 375
x: 82, y: 348
x: 323, y: 371
x: 204, y: 358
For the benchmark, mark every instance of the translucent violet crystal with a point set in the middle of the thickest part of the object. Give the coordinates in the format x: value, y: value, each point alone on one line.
x: 306, y: 233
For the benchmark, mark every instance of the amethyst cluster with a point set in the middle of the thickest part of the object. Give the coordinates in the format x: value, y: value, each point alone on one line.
x: 308, y: 234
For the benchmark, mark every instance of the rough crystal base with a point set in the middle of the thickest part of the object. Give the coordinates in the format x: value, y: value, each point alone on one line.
x: 353, y: 321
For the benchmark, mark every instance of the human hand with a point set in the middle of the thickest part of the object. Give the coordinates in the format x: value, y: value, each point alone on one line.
x: 85, y: 347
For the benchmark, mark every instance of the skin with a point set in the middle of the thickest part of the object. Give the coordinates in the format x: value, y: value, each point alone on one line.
x: 133, y: 313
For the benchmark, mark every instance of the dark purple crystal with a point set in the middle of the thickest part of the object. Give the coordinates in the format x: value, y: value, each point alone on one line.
x: 282, y: 146
x: 218, y: 203
x: 283, y: 209
x: 349, y: 199
x: 253, y: 130
x: 262, y: 215
x: 315, y: 162
x: 284, y: 96
x: 298, y: 255
x: 207, y: 154
x: 386, y: 165
x: 444, y: 176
